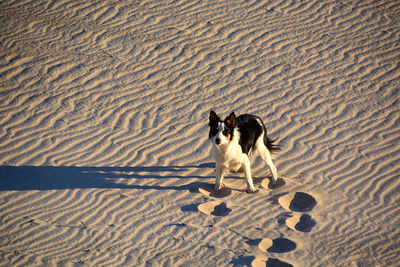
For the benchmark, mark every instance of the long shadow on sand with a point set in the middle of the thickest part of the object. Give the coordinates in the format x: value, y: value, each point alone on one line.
x: 50, y: 177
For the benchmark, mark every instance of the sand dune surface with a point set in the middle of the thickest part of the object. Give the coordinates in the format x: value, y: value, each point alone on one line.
x: 105, y: 158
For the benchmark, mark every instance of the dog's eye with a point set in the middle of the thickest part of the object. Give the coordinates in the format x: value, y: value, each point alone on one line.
x: 225, y: 132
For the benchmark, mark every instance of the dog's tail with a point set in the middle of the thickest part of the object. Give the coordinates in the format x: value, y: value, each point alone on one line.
x: 271, y: 144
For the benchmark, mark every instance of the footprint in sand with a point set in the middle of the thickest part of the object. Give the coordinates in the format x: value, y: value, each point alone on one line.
x: 271, y: 262
x: 208, y: 190
x: 265, y: 244
x: 267, y: 184
x: 302, y: 223
x: 282, y: 245
x: 279, y: 245
x: 215, y: 208
x: 297, y: 202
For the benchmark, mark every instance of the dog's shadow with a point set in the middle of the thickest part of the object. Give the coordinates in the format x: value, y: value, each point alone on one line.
x: 70, y: 177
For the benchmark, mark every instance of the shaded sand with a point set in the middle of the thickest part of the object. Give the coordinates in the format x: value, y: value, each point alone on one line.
x: 271, y: 262
x: 303, y: 223
x: 298, y: 201
x: 208, y: 190
x: 267, y: 184
x: 265, y: 244
x: 215, y: 208
x: 104, y: 157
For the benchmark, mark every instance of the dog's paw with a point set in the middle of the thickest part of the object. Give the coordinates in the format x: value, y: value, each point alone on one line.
x: 251, y: 190
x: 274, y: 183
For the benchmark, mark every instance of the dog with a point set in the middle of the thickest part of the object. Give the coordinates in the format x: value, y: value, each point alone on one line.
x: 233, y: 140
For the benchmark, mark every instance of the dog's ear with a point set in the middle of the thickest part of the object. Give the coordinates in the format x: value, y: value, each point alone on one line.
x: 231, y: 120
x: 213, y: 117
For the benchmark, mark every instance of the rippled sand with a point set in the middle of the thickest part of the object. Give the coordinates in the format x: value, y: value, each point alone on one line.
x: 103, y: 132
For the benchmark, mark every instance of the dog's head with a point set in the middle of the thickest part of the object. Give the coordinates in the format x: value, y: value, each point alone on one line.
x: 221, y: 132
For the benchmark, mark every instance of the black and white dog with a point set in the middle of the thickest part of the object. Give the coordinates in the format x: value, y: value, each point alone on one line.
x: 233, y: 140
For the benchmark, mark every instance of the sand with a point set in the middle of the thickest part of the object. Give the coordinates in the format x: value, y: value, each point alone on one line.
x: 104, y: 153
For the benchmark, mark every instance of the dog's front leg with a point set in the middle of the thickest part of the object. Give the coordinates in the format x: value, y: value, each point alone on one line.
x: 219, y: 178
x: 247, y: 171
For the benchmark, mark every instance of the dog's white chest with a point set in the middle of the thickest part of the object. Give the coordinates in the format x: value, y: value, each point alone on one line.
x: 229, y: 159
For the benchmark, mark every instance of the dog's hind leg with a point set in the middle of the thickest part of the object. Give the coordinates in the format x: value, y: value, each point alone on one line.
x: 247, y: 171
x: 266, y: 156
